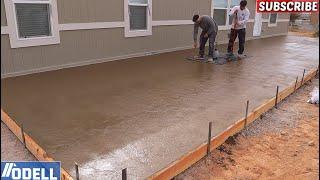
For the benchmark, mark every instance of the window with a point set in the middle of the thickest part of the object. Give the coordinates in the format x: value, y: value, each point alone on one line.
x: 273, y: 18
x: 138, y: 16
x: 32, y: 22
x: 220, y: 10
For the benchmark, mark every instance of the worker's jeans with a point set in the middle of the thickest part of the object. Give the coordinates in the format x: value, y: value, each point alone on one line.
x: 203, y: 41
x: 241, y: 33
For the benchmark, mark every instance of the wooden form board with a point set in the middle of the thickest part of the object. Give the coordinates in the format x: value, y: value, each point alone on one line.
x: 184, y: 162
x: 192, y: 157
x: 30, y: 144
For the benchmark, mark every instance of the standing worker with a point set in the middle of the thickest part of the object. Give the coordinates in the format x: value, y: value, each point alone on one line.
x: 209, y: 31
x: 238, y: 28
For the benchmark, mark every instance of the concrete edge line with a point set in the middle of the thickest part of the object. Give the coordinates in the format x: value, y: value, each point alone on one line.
x: 198, y: 153
x: 34, y: 148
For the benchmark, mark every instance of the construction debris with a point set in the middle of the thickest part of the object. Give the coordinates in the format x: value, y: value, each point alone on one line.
x: 314, y: 96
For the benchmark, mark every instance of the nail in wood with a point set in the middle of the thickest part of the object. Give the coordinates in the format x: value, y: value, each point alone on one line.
x: 209, y: 138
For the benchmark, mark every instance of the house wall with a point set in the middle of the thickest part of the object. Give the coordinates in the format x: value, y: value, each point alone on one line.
x: 87, y: 46
x: 3, y: 14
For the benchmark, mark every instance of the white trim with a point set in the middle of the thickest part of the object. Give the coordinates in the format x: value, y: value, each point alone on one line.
x: 120, y: 24
x: 17, y: 42
x: 273, y: 24
x: 102, y: 60
x: 4, y: 30
x: 283, y: 20
x: 94, y: 25
x: 137, y: 33
x: 171, y: 22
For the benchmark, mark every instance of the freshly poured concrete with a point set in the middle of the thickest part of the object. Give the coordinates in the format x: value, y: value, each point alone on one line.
x: 144, y: 113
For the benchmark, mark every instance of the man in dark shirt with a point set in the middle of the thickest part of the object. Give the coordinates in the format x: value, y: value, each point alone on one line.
x: 209, y: 31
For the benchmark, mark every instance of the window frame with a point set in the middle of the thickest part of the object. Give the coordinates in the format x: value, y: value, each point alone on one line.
x: 273, y: 24
x: 137, y: 33
x: 227, y: 25
x: 16, y: 41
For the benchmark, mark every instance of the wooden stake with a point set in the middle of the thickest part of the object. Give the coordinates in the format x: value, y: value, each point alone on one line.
x: 76, y: 166
x: 124, y: 174
x: 295, y: 85
x: 304, y: 71
x: 23, y: 137
x: 247, y: 109
x: 276, y: 103
x: 209, y: 138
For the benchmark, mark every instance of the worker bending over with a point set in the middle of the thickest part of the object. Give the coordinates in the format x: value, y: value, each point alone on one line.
x: 209, y: 31
x: 238, y: 28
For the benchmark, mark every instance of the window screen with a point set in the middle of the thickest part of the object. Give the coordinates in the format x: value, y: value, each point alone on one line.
x: 220, y: 3
x: 273, y: 18
x: 138, y: 17
x: 234, y: 3
x: 33, y: 20
x: 220, y: 16
x: 138, y: 1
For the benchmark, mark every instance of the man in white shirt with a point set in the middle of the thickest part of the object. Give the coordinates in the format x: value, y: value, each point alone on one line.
x: 238, y: 28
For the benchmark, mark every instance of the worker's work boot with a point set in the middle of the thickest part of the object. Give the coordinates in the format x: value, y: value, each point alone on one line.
x: 215, y: 54
x: 210, y: 59
x: 200, y: 57
x: 230, y: 54
x: 242, y: 56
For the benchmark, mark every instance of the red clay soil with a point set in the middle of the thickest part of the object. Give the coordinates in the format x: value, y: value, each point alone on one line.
x: 284, y: 144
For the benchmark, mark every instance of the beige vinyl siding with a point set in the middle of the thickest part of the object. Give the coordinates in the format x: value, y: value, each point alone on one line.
x: 280, y: 15
x: 252, y: 8
x: 179, y: 9
x: 80, y: 47
x: 282, y: 27
x: 84, y: 11
x: 3, y: 14
x: 283, y: 15
x: 265, y: 15
x: 85, y: 45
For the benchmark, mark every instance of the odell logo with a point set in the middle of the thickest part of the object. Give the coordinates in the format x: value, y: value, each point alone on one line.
x: 30, y: 170
x: 279, y: 6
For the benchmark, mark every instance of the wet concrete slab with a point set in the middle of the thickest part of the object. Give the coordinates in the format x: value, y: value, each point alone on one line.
x: 144, y: 113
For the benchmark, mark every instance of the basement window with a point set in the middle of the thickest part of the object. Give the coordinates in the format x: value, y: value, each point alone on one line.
x: 32, y: 22
x: 138, y: 16
x: 273, y: 18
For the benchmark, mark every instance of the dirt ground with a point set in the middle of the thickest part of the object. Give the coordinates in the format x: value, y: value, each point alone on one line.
x: 11, y: 148
x: 284, y: 144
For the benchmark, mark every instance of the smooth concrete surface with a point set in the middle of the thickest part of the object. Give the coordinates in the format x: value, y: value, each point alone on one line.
x: 144, y: 113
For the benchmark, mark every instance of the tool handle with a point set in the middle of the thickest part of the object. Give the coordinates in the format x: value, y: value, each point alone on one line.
x: 235, y: 20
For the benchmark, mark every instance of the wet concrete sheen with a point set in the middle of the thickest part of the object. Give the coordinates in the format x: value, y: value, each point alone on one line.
x: 143, y: 113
